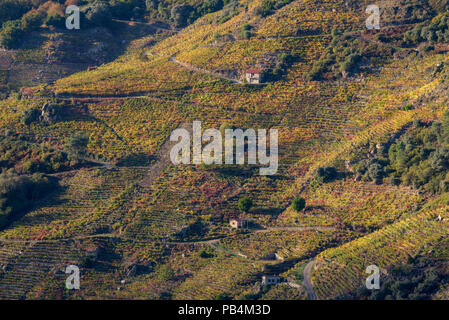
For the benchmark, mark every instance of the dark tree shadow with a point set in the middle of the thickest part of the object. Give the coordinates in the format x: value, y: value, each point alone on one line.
x: 136, y: 159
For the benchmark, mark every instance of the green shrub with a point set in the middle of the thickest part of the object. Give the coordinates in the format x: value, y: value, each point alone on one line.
x: 181, y: 15
x: 13, y: 9
x: 11, y: 34
x: 245, y: 204
x: 55, y: 20
x: 436, y: 31
x: 17, y: 193
x: 298, y: 204
x: 326, y: 174
x: 76, y: 145
x: 428, y: 48
x: 247, y: 27
x: 32, y: 20
x: 246, y: 34
x: 407, y: 107
x: 419, y: 158
x: 205, y: 254
x: 98, y: 13
x: 164, y: 273
x: 30, y: 116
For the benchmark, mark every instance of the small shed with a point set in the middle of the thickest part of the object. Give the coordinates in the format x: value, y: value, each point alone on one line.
x: 240, y: 223
x: 269, y: 280
x: 254, y: 76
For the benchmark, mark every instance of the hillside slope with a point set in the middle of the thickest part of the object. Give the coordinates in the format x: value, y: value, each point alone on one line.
x: 337, y: 93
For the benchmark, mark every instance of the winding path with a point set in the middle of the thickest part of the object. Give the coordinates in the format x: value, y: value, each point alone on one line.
x: 210, y: 73
x: 301, y: 229
x: 307, y: 280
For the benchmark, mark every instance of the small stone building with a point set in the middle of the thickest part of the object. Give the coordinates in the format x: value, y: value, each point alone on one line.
x: 254, y: 76
x: 270, y: 280
x: 240, y: 223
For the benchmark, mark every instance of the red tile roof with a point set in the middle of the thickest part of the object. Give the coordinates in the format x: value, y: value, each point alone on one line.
x: 254, y: 71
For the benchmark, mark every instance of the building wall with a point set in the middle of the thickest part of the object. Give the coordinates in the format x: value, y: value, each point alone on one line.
x: 253, y: 78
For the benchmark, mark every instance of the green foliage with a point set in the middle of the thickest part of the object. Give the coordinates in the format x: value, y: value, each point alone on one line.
x: 246, y: 34
x: 11, y: 34
x: 266, y: 8
x: 436, y: 31
x: 32, y: 20
x: 30, y: 116
x: 371, y: 170
x: 319, y: 68
x: 349, y: 64
x: 269, y: 6
x: 27, y: 158
x: 229, y: 10
x: 326, y: 174
x: 19, y: 192
x: 344, y: 56
x: 164, y: 272
x: 247, y: 27
x: 76, y: 145
x: 417, y: 280
x: 193, y: 231
x: 98, y: 13
x: 182, y: 15
x: 55, y: 20
x: 285, y: 60
x: 299, y: 204
x: 127, y: 9
x: 408, y: 107
x: 205, y: 254
x: 209, y: 6
x: 419, y: 158
x: 13, y: 9
x: 245, y: 204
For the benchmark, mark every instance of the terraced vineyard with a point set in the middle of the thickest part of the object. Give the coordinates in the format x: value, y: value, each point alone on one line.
x: 347, y: 103
x: 339, y: 270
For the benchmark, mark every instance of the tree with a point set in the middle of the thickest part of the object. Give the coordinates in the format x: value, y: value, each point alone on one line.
x: 266, y: 8
x: 299, y: 204
x: 181, y: 14
x: 30, y: 116
x: 445, y: 127
x: 13, y: 9
x: 32, y: 20
x: 209, y: 6
x: 99, y: 13
x: 18, y: 192
x: 11, y: 34
x: 55, y: 20
x: 245, y: 204
x: 205, y: 254
x: 151, y: 4
x: 76, y: 145
x: 326, y: 174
